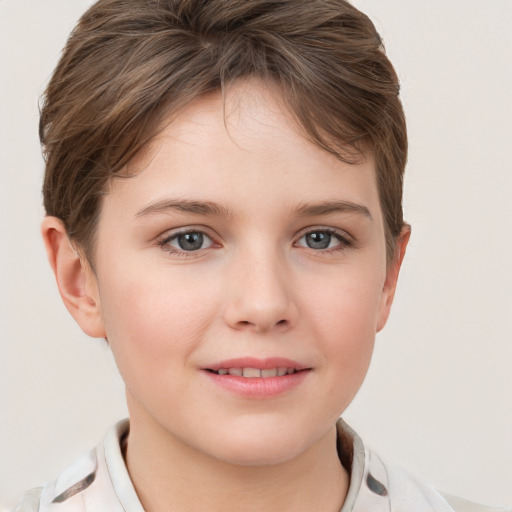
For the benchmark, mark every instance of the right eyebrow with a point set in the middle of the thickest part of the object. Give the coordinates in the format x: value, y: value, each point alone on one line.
x: 186, y: 206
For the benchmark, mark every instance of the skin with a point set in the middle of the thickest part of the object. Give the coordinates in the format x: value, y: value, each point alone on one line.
x: 255, y: 287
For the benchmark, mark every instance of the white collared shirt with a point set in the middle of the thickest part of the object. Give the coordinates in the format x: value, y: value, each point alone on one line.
x: 99, y: 482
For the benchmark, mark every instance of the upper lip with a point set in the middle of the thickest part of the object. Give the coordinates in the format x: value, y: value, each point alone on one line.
x: 261, y: 364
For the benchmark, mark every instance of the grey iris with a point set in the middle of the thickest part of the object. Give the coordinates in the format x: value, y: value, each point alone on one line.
x: 191, y: 241
x: 318, y: 240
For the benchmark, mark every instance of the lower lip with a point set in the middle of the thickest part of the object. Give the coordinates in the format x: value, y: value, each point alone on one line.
x: 258, y: 387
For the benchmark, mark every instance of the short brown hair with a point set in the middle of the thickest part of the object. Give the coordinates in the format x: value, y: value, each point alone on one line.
x: 130, y: 63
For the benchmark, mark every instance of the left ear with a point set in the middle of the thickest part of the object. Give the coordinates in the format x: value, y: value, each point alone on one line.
x: 392, y: 271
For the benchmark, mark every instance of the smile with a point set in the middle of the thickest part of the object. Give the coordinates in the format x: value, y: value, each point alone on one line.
x: 255, y: 378
x: 252, y: 373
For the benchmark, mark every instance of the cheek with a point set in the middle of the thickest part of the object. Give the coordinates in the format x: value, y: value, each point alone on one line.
x: 346, y: 301
x: 344, y: 316
x: 155, y: 317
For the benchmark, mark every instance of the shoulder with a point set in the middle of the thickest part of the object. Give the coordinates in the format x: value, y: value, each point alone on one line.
x: 72, y: 481
x: 408, y: 493
x: 377, y: 486
x: 461, y: 505
x: 30, y: 501
x: 91, y: 484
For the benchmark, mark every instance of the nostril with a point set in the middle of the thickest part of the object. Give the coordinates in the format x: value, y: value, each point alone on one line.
x: 245, y: 323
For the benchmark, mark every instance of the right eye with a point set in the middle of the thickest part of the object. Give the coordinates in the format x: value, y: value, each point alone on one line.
x: 187, y: 241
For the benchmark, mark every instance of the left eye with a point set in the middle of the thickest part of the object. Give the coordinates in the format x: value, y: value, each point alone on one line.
x: 189, y: 241
x: 321, y: 239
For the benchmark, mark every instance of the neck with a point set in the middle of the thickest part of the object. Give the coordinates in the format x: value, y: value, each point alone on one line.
x: 168, y: 475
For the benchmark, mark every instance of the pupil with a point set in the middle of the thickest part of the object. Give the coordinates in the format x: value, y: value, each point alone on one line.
x: 318, y: 240
x: 190, y: 241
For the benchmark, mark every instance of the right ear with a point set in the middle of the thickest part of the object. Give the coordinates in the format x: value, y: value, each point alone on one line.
x: 75, y: 278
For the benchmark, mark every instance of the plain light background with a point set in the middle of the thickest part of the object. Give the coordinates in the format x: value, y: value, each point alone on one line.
x: 438, y: 397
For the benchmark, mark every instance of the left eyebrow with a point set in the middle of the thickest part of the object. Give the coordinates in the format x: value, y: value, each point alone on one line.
x: 332, y: 207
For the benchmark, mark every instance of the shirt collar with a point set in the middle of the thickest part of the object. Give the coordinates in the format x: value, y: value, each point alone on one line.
x: 368, y: 487
x: 123, y: 486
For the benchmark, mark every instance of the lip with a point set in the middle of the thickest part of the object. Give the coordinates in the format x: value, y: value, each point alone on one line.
x: 254, y: 362
x: 257, y: 387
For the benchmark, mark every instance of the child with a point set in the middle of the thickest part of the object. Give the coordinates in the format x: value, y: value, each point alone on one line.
x: 223, y: 195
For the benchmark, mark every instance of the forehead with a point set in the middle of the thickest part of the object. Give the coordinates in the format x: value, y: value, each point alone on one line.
x: 242, y: 147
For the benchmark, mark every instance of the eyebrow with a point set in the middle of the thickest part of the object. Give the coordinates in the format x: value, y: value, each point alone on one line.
x: 332, y: 207
x: 187, y: 206
x: 211, y: 208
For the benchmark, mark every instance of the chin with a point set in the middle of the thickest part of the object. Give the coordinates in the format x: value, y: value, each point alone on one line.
x: 257, y: 456
x: 259, y: 446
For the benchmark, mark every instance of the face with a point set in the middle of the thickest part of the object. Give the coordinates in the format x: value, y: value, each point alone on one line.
x: 241, y: 277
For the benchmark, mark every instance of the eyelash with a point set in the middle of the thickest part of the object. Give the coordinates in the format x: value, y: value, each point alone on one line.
x: 164, y: 243
x: 344, y: 241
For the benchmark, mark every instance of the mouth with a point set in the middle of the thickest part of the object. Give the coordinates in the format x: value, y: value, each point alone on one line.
x: 256, y: 368
x: 255, y: 378
x: 260, y: 379
x: 255, y: 373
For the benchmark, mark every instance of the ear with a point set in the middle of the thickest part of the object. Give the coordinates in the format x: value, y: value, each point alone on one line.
x: 75, y: 278
x: 392, y: 271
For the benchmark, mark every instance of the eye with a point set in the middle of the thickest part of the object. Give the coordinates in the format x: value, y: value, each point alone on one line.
x: 322, y: 239
x: 187, y: 241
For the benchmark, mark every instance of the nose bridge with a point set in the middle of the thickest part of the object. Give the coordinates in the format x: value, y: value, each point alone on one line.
x: 261, y: 295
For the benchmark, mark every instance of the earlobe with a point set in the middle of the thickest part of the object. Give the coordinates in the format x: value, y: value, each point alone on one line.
x: 392, y: 272
x: 75, y: 279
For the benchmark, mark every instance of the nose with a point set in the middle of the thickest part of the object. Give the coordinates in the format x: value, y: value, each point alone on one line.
x: 261, y: 297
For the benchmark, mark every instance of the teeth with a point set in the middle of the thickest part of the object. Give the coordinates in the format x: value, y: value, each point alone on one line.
x: 252, y: 373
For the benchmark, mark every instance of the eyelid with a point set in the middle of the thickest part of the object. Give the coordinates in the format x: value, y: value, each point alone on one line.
x: 345, y: 239
x: 329, y: 229
x: 163, y: 240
